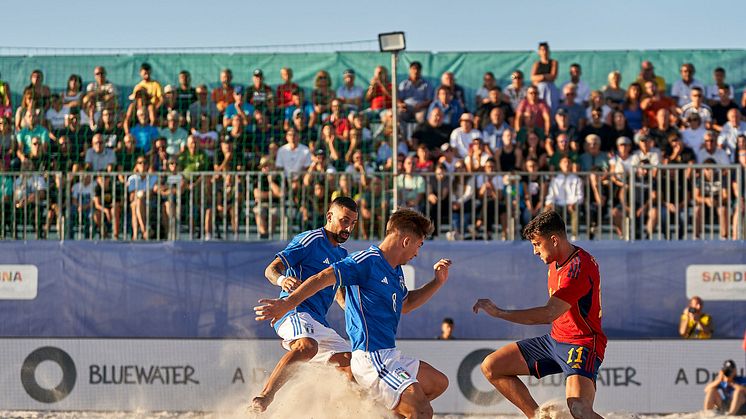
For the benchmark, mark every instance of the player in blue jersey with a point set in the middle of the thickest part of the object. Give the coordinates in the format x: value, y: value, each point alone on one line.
x: 376, y: 296
x: 304, y: 330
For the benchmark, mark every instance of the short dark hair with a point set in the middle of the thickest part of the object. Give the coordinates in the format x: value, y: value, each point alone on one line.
x: 719, y: 70
x: 409, y: 221
x: 544, y: 225
x: 697, y: 89
x: 345, y: 202
x: 448, y: 320
x: 576, y: 65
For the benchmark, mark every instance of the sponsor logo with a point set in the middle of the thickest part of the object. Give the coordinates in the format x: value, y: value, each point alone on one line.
x: 28, y: 374
x: 402, y: 373
x: 18, y: 282
x: 385, y: 280
x: 716, y: 282
x: 466, y: 385
x: 327, y: 261
x: 139, y: 374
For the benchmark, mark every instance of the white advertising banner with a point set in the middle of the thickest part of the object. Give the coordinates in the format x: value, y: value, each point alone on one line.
x: 18, y: 282
x: 214, y: 375
x: 716, y: 282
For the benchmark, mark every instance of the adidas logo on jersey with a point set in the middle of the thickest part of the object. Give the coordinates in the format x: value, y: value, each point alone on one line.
x: 327, y: 261
x: 385, y: 280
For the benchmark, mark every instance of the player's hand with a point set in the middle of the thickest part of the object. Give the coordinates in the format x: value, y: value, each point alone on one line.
x: 441, y: 269
x: 290, y: 283
x: 486, y: 305
x: 271, y: 309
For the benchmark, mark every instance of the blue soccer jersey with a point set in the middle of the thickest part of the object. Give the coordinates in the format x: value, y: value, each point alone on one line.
x: 374, y: 293
x: 306, y: 255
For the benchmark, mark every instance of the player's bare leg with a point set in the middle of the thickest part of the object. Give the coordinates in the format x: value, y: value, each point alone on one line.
x: 341, y: 361
x: 433, y: 382
x: 580, y: 392
x: 301, y: 350
x: 414, y: 404
x: 502, y: 368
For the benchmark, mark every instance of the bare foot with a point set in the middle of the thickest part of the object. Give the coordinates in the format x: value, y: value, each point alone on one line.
x: 260, y: 403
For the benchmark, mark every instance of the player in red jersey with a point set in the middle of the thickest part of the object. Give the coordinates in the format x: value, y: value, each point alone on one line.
x: 576, y: 344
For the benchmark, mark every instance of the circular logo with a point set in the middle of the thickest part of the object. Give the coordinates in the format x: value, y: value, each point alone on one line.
x: 28, y: 374
x: 471, y: 361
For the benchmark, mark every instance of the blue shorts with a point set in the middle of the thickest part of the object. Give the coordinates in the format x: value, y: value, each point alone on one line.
x: 545, y: 356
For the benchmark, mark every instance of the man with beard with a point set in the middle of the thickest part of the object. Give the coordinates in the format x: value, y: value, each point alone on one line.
x: 305, y: 332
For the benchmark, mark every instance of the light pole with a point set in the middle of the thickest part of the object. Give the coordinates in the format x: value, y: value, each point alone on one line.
x: 393, y: 42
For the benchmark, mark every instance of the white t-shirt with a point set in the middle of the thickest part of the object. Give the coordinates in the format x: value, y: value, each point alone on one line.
x: 719, y: 156
x: 353, y: 92
x: 682, y: 91
x: 82, y: 193
x: 711, y: 92
x: 293, y: 161
x: 693, y: 138
x: 99, y: 162
x: 461, y: 140
x: 56, y: 119
x: 582, y: 91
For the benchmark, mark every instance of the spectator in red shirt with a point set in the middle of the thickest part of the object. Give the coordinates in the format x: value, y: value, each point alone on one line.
x: 222, y: 96
x: 533, y: 112
x: 654, y: 100
x: 286, y: 89
x: 379, y: 91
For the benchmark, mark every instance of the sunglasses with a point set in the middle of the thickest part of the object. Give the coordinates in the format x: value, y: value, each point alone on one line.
x: 140, y: 162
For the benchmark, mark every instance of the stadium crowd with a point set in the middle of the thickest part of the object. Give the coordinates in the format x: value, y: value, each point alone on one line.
x: 603, y: 155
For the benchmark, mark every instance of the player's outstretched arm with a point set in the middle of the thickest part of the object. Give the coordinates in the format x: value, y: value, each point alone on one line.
x: 275, y: 275
x: 554, y: 308
x: 274, y: 309
x: 420, y: 296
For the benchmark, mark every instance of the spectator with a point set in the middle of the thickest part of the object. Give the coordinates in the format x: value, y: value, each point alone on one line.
x: 712, y: 92
x: 78, y: 137
x: 495, y: 127
x: 101, y: 91
x: 358, y: 169
x: 175, y: 135
x: 56, y: 114
x: 565, y: 194
x: 267, y: 194
x: 532, y: 112
x: 462, y: 205
x: 286, y: 90
x: 613, y: 93
x: 734, y: 128
x: 126, y: 155
x: 379, y: 90
x: 141, y: 101
x: 322, y: 94
x: 535, y: 191
x: 169, y: 105
x: 141, y: 188
x: 488, y: 82
x: 450, y: 107
x: 299, y: 104
x: 415, y: 95
x: 619, y: 126
x: 479, y: 153
x: 81, y: 194
x: 494, y: 100
x: 438, y: 197
x: 646, y: 198
x: 711, y: 202
x: 727, y: 392
x: 593, y: 159
x: 509, y: 156
x: 222, y: 96
x: 185, y: 95
x: 203, y: 106
x: 106, y: 208
x: 98, y: 158
x: 112, y: 134
x: 490, y: 192
x: 38, y: 91
x: 563, y: 126
x: 173, y: 194
x: 448, y: 158
x: 30, y: 193
x: 144, y: 132
x: 319, y: 171
x: 448, y: 79
x: 710, y: 150
x: 647, y: 150
x: 25, y: 136
x: 695, y: 323
x: 424, y: 162
x: 582, y: 91
x: 632, y: 107
x: 28, y: 106
x: 597, y: 101
x: 721, y: 107
x: 446, y: 329
x: 516, y: 92
x: 8, y: 145
x: 574, y: 111
x: 374, y: 207
x: 306, y: 128
x: 598, y: 127
x: 263, y: 133
x: 681, y: 89
x: 739, y: 199
x: 238, y: 108
x: 653, y: 100
x: 663, y: 128
x: 694, y: 132
x: 206, y: 137
x: 152, y: 87
x: 462, y: 137
x: 533, y: 149
x: 696, y: 105
x: 647, y: 73
x: 350, y: 95
x: 411, y: 186
x: 677, y: 152
x: 158, y: 156
x: 563, y: 150
x: 432, y: 133
x: 293, y: 157
x: 6, y: 102
x: 543, y: 75
x: 192, y: 159
x: 73, y: 95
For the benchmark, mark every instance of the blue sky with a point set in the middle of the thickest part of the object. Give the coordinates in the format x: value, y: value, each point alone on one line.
x: 436, y: 25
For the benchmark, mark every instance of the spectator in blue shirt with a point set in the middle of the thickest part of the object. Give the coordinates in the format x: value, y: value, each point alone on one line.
x: 415, y: 95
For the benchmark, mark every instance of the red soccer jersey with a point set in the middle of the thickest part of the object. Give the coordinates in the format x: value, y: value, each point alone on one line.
x: 578, y: 283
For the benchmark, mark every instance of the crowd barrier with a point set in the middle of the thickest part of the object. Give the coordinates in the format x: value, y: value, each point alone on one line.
x: 678, y: 202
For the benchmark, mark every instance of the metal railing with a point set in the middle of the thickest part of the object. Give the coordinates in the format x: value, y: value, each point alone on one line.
x: 676, y: 202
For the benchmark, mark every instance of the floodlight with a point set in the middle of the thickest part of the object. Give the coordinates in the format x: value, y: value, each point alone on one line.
x: 391, y: 42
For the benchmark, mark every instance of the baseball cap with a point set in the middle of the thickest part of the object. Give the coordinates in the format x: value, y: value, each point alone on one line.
x: 349, y: 72
x: 258, y: 72
x: 265, y: 161
x: 297, y: 113
x: 319, y: 152
x: 445, y: 147
x: 623, y: 140
x: 237, y: 90
x: 466, y: 116
x: 729, y: 364
x: 641, y: 136
x: 168, y: 89
x: 561, y: 111
x: 416, y: 64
